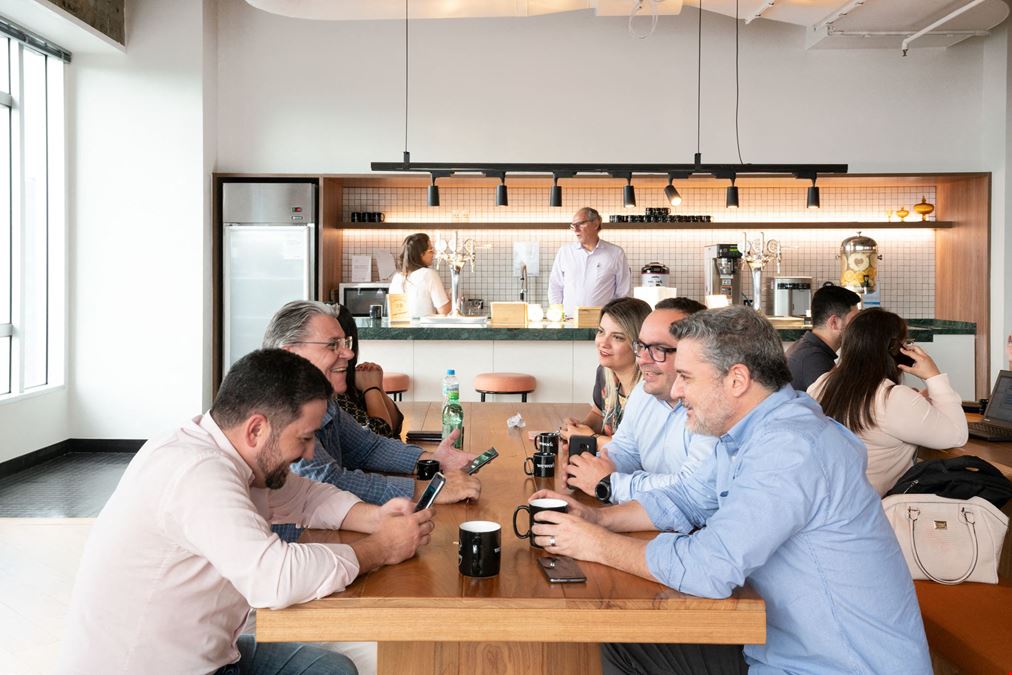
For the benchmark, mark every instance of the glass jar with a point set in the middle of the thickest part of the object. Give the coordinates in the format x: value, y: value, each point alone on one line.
x: 859, y: 263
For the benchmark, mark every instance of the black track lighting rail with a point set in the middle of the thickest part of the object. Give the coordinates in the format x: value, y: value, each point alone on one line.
x: 682, y: 171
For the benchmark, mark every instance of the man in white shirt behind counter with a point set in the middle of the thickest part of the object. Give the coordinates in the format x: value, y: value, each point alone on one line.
x: 184, y: 546
x: 589, y: 272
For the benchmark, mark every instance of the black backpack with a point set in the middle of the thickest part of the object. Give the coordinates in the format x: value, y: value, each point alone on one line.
x: 960, y: 477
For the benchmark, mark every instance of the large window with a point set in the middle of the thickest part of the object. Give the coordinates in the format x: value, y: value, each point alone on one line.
x: 32, y: 229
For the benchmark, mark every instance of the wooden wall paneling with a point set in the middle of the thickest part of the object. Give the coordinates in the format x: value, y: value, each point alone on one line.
x: 963, y: 262
x: 331, y: 200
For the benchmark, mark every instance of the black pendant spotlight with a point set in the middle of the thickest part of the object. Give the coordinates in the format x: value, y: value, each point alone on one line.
x: 433, y: 192
x: 555, y: 200
x: 629, y: 193
x: 813, y: 196
x: 501, y: 198
x: 671, y: 192
x: 731, y: 198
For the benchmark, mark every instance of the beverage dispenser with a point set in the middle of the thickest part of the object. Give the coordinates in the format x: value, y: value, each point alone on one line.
x: 859, y: 258
x: 722, y: 271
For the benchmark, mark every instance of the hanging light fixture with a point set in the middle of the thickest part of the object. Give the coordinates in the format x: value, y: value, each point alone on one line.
x: 671, y: 192
x: 501, y: 198
x: 813, y: 196
x: 555, y: 200
x: 731, y: 197
x: 629, y: 192
x: 433, y: 192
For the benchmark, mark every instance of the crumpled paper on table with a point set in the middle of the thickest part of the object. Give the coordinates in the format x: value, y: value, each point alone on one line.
x: 516, y: 422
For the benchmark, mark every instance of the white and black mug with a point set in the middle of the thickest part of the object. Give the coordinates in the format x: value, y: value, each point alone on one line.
x: 479, y: 548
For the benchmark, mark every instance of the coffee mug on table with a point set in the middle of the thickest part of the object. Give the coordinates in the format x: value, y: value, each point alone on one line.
x: 426, y: 468
x: 541, y: 465
x: 532, y: 509
x: 479, y: 547
x: 547, y: 441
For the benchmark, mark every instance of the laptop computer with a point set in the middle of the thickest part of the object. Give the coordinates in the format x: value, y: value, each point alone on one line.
x: 997, y: 424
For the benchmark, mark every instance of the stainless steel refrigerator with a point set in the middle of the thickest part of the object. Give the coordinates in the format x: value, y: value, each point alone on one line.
x: 268, y: 258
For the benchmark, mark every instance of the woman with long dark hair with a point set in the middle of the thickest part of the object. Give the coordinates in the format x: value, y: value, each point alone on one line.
x: 417, y: 280
x: 865, y: 394
x: 364, y: 398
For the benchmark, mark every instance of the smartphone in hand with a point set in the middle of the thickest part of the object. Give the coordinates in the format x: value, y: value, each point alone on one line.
x: 431, y: 491
x: 481, y: 460
x: 579, y: 444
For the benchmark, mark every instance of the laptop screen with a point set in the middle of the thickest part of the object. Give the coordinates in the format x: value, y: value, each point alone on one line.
x: 999, y: 408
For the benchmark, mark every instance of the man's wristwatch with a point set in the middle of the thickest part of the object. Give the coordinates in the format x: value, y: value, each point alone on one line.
x: 603, y: 489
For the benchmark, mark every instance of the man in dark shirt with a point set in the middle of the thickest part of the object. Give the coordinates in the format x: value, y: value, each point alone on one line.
x: 814, y: 354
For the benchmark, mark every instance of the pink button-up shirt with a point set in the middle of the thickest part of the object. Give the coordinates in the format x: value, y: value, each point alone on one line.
x: 182, y: 550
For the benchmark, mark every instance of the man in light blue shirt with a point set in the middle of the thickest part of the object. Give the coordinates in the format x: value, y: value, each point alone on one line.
x: 651, y: 446
x: 783, y: 504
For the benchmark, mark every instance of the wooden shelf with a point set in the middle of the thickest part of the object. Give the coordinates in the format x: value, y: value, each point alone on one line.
x: 848, y: 225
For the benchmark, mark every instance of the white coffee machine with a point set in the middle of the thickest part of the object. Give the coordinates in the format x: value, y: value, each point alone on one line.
x: 790, y: 296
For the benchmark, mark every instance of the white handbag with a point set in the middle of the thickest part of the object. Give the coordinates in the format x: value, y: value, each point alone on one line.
x: 948, y: 540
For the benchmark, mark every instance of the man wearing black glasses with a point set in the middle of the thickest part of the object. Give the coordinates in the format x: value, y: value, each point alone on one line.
x: 588, y: 272
x: 652, y: 445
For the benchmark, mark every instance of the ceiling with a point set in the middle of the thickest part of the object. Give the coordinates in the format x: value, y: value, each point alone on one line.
x: 867, y: 24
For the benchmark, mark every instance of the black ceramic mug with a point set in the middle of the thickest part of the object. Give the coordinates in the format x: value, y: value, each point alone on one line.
x: 547, y: 441
x: 541, y: 465
x: 534, y: 508
x: 426, y: 468
x: 479, y: 548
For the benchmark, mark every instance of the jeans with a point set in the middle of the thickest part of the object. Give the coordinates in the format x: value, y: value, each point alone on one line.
x: 673, y: 659
x: 286, y: 658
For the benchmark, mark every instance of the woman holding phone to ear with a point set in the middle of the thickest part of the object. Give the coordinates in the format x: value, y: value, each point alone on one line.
x: 863, y: 392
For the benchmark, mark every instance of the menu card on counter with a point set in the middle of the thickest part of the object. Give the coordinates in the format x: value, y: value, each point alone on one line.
x: 397, y: 308
x: 385, y: 265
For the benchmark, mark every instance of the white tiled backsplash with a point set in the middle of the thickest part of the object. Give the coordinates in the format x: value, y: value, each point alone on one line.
x: 906, y: 272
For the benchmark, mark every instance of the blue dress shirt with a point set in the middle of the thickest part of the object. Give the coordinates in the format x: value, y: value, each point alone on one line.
x: 789, y: 510
x: 652, y: 446
x: 345, y: 451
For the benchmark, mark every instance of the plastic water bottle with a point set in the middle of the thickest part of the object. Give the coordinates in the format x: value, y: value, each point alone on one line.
x: 453, y: 416
x: 450, y: 383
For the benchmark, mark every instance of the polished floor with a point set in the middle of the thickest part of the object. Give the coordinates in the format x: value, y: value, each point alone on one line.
x: 74, y: 485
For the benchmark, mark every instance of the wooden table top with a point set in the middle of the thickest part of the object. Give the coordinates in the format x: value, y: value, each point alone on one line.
x: 427, y: 599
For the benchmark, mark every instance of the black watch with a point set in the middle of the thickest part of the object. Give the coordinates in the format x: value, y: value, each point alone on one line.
x: 603, y: 489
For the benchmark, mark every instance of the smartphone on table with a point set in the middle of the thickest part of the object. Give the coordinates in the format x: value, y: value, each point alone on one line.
x: 431, y: 492
x: 424, y: 436
x: 561, y: 570
x: 481, y: 460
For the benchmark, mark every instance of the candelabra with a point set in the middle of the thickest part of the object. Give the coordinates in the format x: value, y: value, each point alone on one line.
x: 758, y: 253
x: 456, y: 258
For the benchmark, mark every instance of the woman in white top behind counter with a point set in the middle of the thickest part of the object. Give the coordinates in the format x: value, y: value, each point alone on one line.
x: 863, y: 392
x: 417, y: 280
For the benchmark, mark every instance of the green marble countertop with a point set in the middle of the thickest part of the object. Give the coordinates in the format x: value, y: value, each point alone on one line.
x: 922, y: 330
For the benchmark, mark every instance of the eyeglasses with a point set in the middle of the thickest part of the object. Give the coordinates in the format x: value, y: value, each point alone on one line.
x: 579, y: 224
x: 333, y: 345
x: 658, y: 353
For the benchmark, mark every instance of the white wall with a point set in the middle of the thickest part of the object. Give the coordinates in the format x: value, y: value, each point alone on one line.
x: 138, y: 202
x: 298, y: 95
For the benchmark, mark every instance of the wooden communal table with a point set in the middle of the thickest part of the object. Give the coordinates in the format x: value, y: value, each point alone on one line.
x: 428, y: 618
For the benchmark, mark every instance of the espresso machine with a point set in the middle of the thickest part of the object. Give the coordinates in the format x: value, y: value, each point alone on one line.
x: 722, y: 271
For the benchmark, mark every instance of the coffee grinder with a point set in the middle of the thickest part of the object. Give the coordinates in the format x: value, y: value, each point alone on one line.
x: 722, y: 271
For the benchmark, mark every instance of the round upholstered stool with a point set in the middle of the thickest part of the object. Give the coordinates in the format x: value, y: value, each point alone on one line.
x: 396, y: 384
x: 505, y: 383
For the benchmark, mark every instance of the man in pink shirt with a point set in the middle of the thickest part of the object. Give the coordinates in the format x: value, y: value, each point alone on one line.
x: 184, y: 548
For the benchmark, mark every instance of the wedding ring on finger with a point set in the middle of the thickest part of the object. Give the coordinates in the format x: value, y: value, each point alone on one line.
x: 551, y: 541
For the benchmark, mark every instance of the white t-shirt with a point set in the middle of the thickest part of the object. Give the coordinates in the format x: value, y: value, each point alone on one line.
x: 424, y: 289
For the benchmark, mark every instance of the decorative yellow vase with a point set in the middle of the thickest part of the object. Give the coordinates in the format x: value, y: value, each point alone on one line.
x: 924, y: 208
x: 902, y: 213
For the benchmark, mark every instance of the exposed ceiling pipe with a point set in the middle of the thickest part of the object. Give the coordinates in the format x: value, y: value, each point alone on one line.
x: 759, y: 12
x: 903, y: 33
x: 945, y: 19
x: 843, y: 11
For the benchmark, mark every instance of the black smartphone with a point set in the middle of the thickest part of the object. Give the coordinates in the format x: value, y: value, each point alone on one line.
x: 425, y: 436
x: 580, y: 444
x: 902, y: 359
x: 560, y: 570
x: 431, y: 491
x: 481, y: 460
